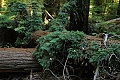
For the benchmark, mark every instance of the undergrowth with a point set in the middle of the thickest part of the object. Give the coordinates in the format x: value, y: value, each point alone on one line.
x: 19, y: 18
x: 67, y: 45
x: 58, y: 45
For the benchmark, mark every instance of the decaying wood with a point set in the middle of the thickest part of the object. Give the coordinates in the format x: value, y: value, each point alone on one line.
x: 100, y: 40
x: 17, y: 60
x: 21, y: 60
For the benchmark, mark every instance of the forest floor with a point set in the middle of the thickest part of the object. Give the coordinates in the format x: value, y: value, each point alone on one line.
x: 40, y: 75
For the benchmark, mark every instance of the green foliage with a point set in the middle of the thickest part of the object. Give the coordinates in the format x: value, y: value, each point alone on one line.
x: 5, y: 21
x: 110, y: 28
x: 111, y: 11
x: 99, y: 55
x: 58, y: 46
x: 72, y: 45
x: 17, y: 7
x: 95, y: 53
x: 103, y: 10
x: 19, y: 18
x: 61, y: 22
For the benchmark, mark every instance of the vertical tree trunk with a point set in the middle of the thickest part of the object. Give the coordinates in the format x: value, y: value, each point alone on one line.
x: 81, y: 21
x: 118, y: 10
x: 1, y: 3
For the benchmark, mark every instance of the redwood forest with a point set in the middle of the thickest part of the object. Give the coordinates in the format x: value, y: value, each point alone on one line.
x: 59, y: 39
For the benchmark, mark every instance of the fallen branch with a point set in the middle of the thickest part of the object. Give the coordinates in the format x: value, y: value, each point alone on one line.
x: 96, y: 73
x: 117, y: 20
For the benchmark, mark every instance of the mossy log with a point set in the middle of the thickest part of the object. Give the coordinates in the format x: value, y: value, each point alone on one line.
x: 21, y: 59
x: 17, y: 60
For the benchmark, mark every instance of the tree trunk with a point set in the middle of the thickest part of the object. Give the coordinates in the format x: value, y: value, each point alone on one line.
x: 1, y: 2
x: 81, y: 21
x: 118, y: 9
x: 21, y: 60
x: 17, y: 60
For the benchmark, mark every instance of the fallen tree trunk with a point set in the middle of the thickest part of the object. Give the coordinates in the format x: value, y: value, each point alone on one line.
x: 116, y: 21
x: 17, y: 60
x: 21, y: 60
x: 99, y: 39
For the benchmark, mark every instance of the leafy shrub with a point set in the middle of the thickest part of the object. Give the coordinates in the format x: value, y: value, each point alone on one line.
x: 18, y: 18
x: 98, y: 54
x: 5, y: 21
x: 107, y: 59
x: 109, y: 28
x: 66, y: 45
x: 111, y: 11
x: 58, y: 46
x: 62, y: 21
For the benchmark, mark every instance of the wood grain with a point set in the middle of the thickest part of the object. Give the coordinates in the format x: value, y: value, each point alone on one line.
x: 17, y: 60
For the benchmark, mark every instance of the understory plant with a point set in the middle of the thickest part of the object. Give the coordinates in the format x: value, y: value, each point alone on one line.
x: 18, y: 17
x: 59, y: 46
x: 70, y: 48
x: 98, y: 54
x: 105, y: 59
x: 62, y: 20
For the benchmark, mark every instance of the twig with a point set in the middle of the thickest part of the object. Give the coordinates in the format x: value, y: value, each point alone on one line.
x: 64, y: 68
x: 49, y: 14
x: 59, y: 62
x: 109, y: 74
x: 118, y: 77
x: 31, y: 75
x: 105, y: 39
x: 112, y: 56
x: 96, y: 73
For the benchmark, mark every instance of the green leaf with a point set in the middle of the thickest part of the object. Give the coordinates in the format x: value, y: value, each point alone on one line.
x: 54, y: 40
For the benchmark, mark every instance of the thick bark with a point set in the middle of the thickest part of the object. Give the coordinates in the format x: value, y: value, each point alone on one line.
x: 1, y: 3
x: 118, y: 10
x: 17, y: 60
x: 80, y: 22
